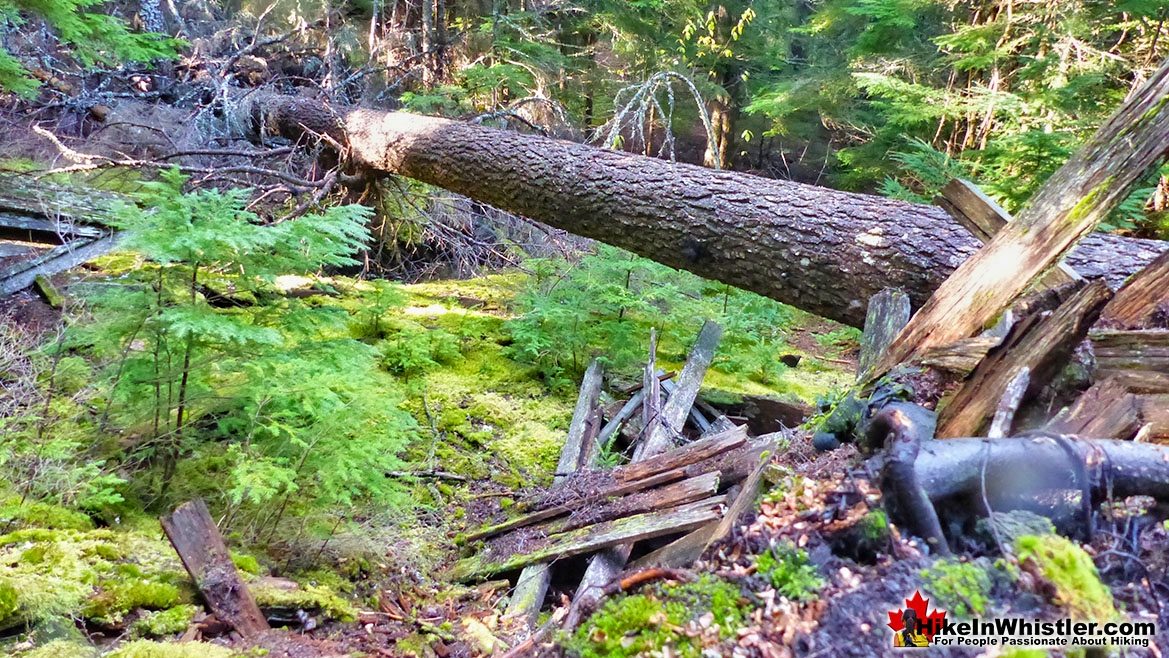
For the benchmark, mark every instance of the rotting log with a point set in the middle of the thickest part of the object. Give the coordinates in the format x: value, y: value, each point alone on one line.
x: 821, y: 250
x: 1039, y: 343
x: 1143, y: 301
x: 195, y: 537
x: 595, y: 538
x: 1066, y: 208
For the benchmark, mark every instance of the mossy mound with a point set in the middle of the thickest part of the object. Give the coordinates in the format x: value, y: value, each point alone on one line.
x: 673, y: 618
x: 316, y: 600
x: 1072, y: 575
x: 960, y: 587
x: 97, y: 575
x: 149, y: 649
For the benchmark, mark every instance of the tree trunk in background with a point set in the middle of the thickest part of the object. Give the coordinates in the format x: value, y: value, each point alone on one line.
x: 821, y: 250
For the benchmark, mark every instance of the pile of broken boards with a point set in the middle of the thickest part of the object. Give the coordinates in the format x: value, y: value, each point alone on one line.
x: 1078, y: 375
x: 675, y: 497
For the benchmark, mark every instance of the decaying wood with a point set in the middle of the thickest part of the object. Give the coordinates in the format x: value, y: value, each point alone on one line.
x: 903, y: 439
x: 686, y: 490
x: 1040, y: 343
x: 984, y: 218
x: 687, y: 549
x: 691, y: 453
x: 595, y: 538
x: 695, y: 416
x: 606, y: 433
x: 887, y: 315
x: 605, y: 565
x: 1143, y: 301
x: 58, y: 259
x: 960, y: 357
x: 1137, y: 349
x: 1068, y: 206
x: 195, y: 537
x: 1106, y: 410
x: 1154, y: 415
x: 532, y: 586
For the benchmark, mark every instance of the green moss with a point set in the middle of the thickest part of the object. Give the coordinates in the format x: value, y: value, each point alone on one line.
x: 1071, y: 572
x: 164, y: 622
x: 960, y: 587
x: 95, y: 574
x: 14, y: 513
x: 789, y: 572
x: 150, y: 649
x: 246, y: 563
x: 118, y: 597
x: 8, y: 602
x: 647, y: 623
x: 314, y: 599
x: 62, y: 649
x: 874, y: 527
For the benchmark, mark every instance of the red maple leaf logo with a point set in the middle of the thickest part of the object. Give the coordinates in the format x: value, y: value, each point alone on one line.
x: 931, y: 621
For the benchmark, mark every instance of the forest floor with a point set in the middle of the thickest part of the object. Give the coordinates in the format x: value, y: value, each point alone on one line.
x: 814, y: 570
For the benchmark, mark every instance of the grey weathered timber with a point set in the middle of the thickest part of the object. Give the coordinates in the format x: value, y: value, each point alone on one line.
x: 1106, y: 410
x: 596, y: 537
x: 821, y: 250
x: 1067, y: 207
x: 1133, y: 353
x: 1039, y: 343
x: 20, y: 276
x: 604, y: 566
x: 532, y: 586
x: 195, y: 537
x: 887, y: 315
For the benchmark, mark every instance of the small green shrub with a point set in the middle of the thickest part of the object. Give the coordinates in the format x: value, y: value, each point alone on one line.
x: 789, y: 572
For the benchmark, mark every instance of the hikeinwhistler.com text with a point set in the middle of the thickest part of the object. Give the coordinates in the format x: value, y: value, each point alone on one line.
x: 1021, y: 632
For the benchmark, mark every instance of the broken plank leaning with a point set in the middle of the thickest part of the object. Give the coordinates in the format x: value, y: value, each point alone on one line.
x: 195, y: 537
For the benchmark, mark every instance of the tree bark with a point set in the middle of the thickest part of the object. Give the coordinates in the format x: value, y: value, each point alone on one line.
x: 821, y: 250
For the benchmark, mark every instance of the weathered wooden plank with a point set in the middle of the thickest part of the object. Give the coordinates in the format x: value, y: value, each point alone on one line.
x: 58, y: 259
x: 984, y: 218
x: 1143, y: 300
x: 1039, y: 343
x: 689, y: 381
x: 1004, y: 414
x: 888, y: 313
x: 596, y: 537
x: 195, y: 537
x: 605, y: 434
x: 639, y: 502
x: 36, y: 229
x: 532, y: 586
x: 961, y: 356
x: 694, y: 414
x: 1136, y: 349
x: 685, y: 550
x: 1138, y: 381
x: 1068, y: 206
x: 1106, y: 410
x: 690, y: 453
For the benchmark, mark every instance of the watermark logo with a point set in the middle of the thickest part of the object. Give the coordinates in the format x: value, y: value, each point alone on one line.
x: 915, y: 625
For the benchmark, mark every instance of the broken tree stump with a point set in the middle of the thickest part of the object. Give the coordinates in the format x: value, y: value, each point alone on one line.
x: 1068, y: 206
x: 887, y: 315
x: 1040, y: 343
x: 195, y: 537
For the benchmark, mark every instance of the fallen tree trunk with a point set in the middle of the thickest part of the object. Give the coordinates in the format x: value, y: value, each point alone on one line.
x: 821, y: 250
